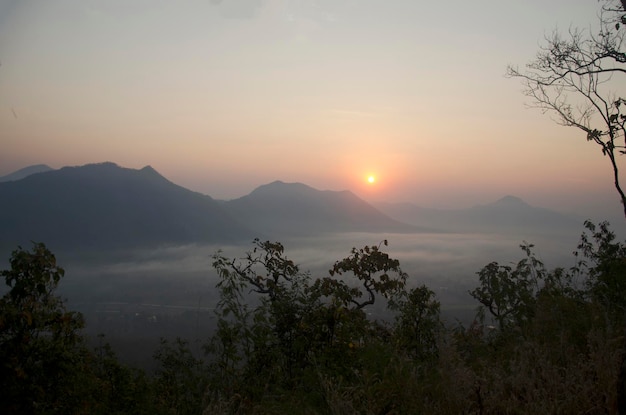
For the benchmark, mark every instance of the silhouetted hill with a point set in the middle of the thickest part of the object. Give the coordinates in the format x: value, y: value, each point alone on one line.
x: 508, y: 214
x: 106, y: 206
x: 296, y: 209
x: 25, y: 172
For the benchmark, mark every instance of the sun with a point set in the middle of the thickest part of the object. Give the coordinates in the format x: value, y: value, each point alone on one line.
x: 371, y: 179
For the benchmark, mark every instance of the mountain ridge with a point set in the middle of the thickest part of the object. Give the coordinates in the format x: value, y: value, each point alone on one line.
x: 25, y: 172
x: 508, y: 200
x: 505, y: 215
x: 103, y: 205
x: 298, y: 209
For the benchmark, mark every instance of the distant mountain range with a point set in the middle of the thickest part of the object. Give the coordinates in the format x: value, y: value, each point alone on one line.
x: 104, y: 206
x: 26, y: 171
x: 101, y: 206
x: 508, y: 214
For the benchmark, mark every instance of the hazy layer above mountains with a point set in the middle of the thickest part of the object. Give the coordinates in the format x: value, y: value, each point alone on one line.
x: 104, y: 206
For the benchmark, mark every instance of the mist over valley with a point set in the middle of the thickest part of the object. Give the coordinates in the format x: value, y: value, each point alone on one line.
x: 138, y: 249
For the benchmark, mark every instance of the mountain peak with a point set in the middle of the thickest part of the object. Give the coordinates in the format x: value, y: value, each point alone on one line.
x: 149, y: 170
x: 279, y: 187
x: 510, y: 200
x: 299, y: 209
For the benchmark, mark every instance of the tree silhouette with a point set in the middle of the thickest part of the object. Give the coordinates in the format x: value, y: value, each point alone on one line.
x: 41, y: 349
x: 578, y: 78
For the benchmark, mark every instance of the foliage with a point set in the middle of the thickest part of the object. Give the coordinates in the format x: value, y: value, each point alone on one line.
x: 558, y: 332
x: 509, y: 293
x: 603, y: 261
x: 116, y: 388
x: 288, y: 343
x: 45, y: 366
x: 258, y: 347
x: 280, y: 331
x: 554, y: 335
x: 417, y: 324
x: 181, y: 380
x: 41, y: 353
x: 371, y: 267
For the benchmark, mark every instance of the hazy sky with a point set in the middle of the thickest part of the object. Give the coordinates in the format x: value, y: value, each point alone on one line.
x: 222, y: 96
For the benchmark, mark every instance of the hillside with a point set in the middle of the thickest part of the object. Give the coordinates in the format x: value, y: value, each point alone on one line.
x: 106, y: 206
x: 282, y: 208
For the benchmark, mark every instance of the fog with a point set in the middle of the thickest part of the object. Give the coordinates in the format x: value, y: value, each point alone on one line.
x: 138, y: 297
x: 182, y: 275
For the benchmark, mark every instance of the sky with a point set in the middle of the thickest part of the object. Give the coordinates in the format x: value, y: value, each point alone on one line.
x: 222, y: 96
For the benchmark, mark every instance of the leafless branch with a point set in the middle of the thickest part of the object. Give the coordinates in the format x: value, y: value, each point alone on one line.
x: 572, y: 78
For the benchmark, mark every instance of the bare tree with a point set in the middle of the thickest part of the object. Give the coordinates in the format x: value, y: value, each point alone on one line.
x: 579, y: 78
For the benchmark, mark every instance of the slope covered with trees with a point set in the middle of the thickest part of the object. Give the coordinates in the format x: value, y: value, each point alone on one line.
x: 543, y: 341
x: 104, y: 206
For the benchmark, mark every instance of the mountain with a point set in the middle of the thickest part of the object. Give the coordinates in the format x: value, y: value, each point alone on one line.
x: 99, y: 206
x: 296, y: 209
x: 508, y: 214
x: 25, y: 172
x: 104, y: 206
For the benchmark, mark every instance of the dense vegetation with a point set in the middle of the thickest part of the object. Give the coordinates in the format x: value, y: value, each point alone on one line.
x: 543, y: 341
